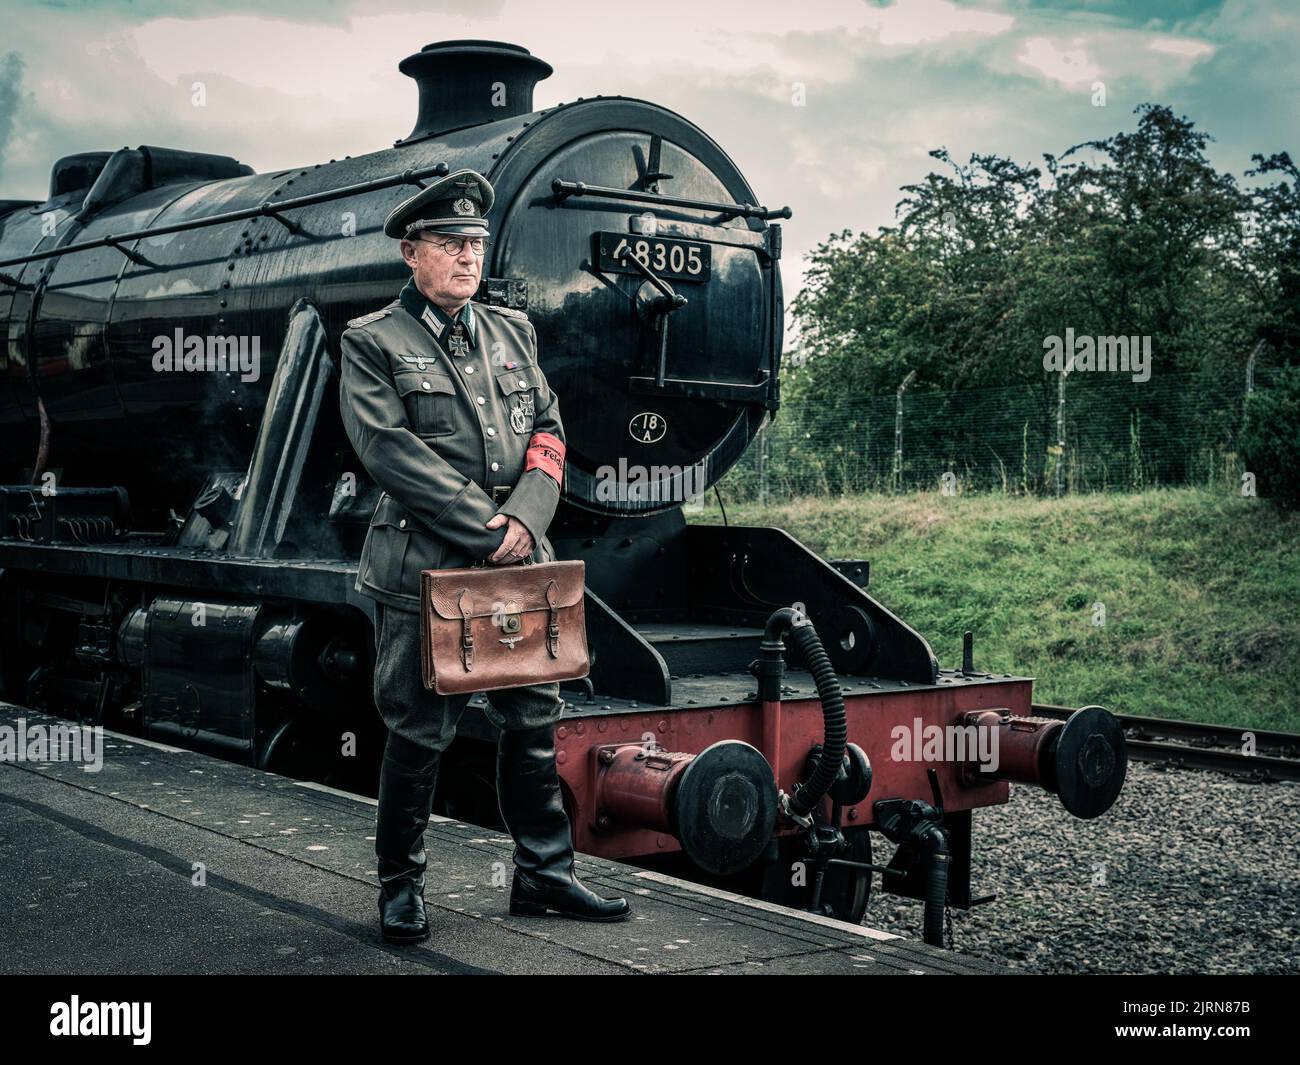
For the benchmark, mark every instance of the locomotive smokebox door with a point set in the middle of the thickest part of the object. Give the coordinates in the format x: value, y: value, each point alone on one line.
x: 662, y: 304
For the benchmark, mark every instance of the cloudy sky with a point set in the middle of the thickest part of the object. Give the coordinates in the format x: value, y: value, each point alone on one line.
x: 826, y: 105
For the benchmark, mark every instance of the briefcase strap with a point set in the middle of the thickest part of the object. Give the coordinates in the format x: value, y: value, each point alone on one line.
x: 553, y: 633
x: 466, y: 632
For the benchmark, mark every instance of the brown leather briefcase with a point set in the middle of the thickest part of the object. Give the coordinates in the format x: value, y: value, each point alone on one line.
x: 483, y: 628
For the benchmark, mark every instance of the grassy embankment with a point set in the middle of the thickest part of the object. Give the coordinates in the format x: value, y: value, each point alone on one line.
x: 1200, y: 591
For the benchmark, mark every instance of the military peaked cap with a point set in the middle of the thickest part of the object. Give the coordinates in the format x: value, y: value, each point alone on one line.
x: 457, y: 203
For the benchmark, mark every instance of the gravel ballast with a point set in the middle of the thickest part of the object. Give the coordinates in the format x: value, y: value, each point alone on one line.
x: 1189, y: 872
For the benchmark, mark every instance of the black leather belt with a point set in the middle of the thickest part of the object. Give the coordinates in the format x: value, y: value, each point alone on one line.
x: 500, y: 492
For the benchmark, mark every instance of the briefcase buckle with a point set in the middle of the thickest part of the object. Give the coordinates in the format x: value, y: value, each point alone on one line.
x: 512, y: 622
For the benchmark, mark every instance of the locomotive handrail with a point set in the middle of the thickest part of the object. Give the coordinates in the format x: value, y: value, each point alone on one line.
x: 265, y: 209
x: 564, y: 189
x: 693, y: 388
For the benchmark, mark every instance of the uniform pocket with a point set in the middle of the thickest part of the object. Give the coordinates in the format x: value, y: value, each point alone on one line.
x: 518, y: 379
x: 386, y: 546
x: 520, y: 388
x: 430, y: 400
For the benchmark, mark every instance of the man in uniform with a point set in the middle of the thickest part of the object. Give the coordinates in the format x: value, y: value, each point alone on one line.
x: 450, y: 413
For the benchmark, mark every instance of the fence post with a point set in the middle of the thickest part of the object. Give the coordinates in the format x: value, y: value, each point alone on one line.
x: 1250, y: 366
x: 1060, y: 430
x: 1250, y: 388
x: 896, y: 480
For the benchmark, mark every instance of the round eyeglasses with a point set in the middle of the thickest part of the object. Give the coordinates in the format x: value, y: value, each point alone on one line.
x: 454, y: 245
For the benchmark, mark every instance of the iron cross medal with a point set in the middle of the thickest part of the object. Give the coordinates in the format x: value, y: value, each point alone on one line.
x: 458, y: 343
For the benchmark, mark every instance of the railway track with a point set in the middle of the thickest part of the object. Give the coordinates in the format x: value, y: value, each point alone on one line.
x: 1194, y: 745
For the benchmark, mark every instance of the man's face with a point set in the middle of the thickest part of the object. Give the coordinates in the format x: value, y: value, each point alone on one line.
x: 447, y: 280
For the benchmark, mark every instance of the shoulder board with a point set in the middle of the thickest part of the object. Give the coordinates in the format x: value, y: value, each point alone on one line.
x: 366, y: 319
x: 509, y: 312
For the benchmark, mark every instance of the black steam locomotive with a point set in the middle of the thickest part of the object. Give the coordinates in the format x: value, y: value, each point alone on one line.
x: 182, y: 512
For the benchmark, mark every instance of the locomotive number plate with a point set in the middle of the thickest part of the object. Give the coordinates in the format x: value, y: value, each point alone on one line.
x: 681, y: 260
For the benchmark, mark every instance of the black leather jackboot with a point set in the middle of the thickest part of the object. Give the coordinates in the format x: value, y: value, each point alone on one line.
x: 528, y: 790
x: 406, y: 783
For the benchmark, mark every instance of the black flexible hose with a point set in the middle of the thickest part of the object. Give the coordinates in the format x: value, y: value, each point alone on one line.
x: 801, y: 635
x: 936, y: 885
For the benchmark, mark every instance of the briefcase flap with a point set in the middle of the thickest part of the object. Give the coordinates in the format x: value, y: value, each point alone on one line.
x: 494, y: 589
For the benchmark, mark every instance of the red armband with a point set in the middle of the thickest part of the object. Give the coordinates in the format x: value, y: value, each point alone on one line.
x: 546, y: 453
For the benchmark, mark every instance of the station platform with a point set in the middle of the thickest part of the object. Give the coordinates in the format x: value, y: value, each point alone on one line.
x: 168, y: 861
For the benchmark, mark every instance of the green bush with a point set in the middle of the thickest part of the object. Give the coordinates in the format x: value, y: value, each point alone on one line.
x: 1270, y: 439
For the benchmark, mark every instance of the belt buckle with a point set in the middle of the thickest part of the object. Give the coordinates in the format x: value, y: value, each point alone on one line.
x: 500, y: 492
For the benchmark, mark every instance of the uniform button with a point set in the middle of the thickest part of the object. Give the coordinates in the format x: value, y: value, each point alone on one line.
x: 426, y: 386
x: 491, y: 431
x: 496, y: 466
x: 402, y: 524
x: 481, y: 401
x: 469, y: 369
x: 523, y: 383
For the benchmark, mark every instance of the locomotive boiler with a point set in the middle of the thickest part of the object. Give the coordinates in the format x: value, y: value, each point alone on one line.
x: 182, y: 513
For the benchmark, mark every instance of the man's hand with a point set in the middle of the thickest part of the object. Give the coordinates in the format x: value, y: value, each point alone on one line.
x: 518, y: 543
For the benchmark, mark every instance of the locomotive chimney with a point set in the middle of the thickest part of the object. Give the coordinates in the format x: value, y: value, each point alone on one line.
x: 466, y: 83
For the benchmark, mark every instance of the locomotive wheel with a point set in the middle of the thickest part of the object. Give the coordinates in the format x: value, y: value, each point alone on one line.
x: 296, y: 750
x: 845, y: 892
x: 282, y: 751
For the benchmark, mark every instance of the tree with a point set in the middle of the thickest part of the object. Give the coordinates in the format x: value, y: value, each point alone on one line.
x: 1134, y: 235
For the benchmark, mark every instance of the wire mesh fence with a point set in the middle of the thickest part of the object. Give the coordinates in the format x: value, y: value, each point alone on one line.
x: 1096, y: 433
